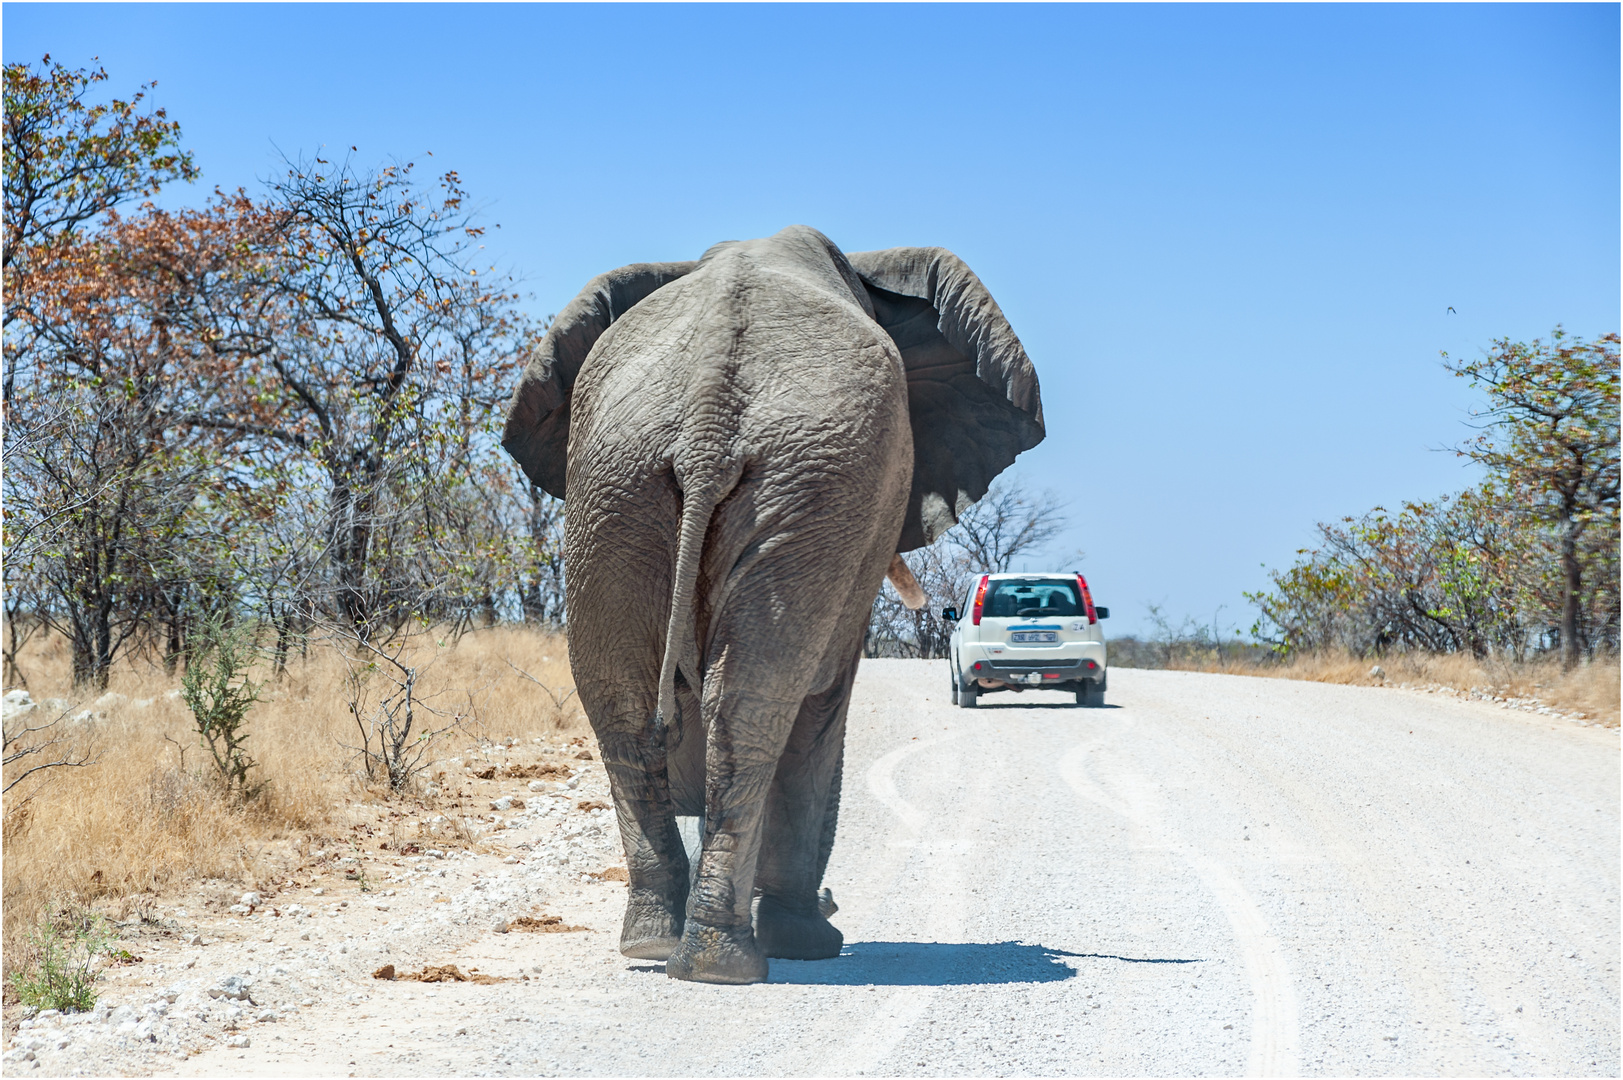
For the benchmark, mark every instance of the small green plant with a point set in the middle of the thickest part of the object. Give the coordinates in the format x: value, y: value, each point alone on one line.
x: 56, y: 969
x: 219, y: 694
x: 358, y: 874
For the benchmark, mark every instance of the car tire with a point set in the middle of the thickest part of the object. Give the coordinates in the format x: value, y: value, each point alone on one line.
x: 969, y: 696
x: 952, y: 676
x: 1090, y: 694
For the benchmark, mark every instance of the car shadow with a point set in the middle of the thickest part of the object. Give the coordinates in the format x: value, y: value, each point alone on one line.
x: 933, y: 963
x: 984, y: 704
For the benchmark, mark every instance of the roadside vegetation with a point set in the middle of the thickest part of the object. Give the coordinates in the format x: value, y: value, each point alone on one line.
x: 1590, y: 689
x: 1507, y: 590
x: 157, y: 815
x: 263, y: 551
x: 1525, y: 564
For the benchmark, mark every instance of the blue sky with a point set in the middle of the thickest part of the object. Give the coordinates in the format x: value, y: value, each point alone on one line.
x: 1228, y: 235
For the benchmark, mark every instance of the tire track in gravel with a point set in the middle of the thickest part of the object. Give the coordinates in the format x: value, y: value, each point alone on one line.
x: 904, y: 1007
x: 1274, y: 1026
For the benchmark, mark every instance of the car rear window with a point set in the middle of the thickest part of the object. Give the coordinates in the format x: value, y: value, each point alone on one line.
x: 1011, y: 598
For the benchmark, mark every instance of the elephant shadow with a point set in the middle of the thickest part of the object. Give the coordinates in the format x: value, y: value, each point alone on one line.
x: 933, y: 963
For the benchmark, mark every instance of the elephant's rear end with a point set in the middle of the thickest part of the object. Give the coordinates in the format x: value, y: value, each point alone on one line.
x: 741, y: 472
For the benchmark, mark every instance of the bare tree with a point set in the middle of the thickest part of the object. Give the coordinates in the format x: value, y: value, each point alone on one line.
x: 394, y: 723
x: 1009, y: 523
x: 68, y: 161
x: 542, y: 598
x: 1552, y: 435
x: 128, y: 330
x: 387, y: 367
x: 31, y: 749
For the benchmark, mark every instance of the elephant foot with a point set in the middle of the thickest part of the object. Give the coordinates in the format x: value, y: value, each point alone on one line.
x: 791, y: 935
x: 717, y: 954
x: 650, y: 932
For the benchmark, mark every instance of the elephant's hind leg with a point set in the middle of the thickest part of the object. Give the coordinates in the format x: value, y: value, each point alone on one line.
x: 801, y: 810
x: 656, y: 860
x: 745, y: 737
x: 618, y: 599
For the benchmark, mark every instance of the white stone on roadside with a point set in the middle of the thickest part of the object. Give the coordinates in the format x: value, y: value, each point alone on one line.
x: 1377, y: 672
x: 538, y: 785
x: 268, y: 1017
x: 500, y: 926
x: 237, y: 1042
x: 196, y: 939
x: 233, y: 987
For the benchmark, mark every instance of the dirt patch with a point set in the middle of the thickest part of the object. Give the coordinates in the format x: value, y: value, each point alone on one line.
x: 435, y: 973
x: 543, y: 771
x: 613, y: 873
x: 591, y: 804
x: 546, y: 924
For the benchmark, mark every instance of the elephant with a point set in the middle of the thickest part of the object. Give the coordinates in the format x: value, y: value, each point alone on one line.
x: 745, y: 445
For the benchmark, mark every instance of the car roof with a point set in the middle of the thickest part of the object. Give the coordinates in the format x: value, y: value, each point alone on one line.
x: 1034, y: 573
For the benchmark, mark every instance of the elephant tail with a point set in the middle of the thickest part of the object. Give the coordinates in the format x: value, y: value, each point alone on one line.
x: 681, y: 650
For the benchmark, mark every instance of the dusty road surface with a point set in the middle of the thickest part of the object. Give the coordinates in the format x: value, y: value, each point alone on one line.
x: 1211, y: 875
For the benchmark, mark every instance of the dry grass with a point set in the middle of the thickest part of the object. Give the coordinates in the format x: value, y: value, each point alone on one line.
x: 1591, y: 689
x: 148, y: 819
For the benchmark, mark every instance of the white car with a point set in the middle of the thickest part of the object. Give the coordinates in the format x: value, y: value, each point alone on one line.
x: 1027, y: 632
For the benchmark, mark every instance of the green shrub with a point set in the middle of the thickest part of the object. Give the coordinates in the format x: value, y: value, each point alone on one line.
x: 219, y: 694
x: 56, y: 969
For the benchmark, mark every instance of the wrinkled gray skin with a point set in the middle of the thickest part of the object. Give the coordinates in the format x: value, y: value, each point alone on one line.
x: 746, y: 443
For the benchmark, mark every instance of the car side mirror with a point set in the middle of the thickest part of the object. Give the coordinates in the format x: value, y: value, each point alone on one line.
x: 950, y: 614
x: 1102, y: 612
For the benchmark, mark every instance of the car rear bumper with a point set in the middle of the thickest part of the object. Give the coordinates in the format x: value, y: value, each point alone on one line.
x: 1035, y: 673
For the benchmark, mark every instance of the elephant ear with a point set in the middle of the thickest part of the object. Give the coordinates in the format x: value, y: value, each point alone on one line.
x: 537, y: 432
x: 971, y: 390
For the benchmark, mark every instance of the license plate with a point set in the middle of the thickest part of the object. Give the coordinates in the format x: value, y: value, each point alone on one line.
x: 1033, y: 636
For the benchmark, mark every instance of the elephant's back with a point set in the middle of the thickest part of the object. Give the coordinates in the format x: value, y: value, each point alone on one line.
x: 780, y: 350
x: 757, y: 385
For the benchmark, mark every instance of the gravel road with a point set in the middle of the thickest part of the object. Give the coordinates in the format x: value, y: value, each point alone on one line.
x: 1211, y: 875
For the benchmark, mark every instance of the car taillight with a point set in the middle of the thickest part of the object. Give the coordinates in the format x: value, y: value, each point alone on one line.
x: 980, y: 600
x: 1087, y: 600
